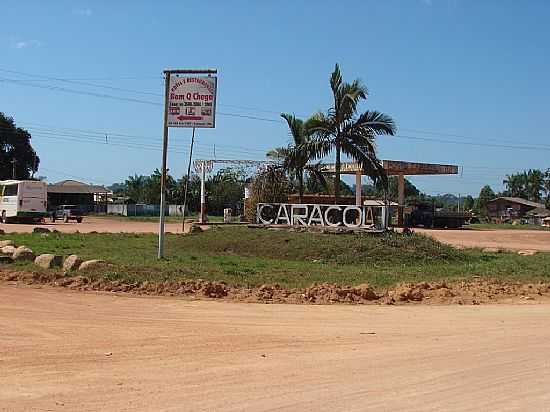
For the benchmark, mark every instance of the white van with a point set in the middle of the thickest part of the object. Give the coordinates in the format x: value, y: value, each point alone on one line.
x: 23, y: 200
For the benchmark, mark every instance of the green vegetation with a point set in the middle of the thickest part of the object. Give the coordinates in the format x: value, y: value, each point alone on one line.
x: 17, y: 157
x: 224, y: 189
x: 249, y: 257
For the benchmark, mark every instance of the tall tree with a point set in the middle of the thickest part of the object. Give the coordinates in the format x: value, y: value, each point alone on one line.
x: 468, y: 203
x: 343, y: 130
x: 535, y: 185
x: 225, y: 190
x: 135, y: 187
x: 485, y: 195
x: 17, y: 157
x: 528, y: 184
x: 516, y: 185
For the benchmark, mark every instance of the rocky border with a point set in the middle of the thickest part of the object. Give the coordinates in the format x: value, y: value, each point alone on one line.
x: 462, y: 293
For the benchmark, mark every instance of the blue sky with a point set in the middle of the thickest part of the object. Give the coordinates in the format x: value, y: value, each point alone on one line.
x: 471, y: 72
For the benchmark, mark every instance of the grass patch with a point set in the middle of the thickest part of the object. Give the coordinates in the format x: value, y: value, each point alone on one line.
x: 250, y: 257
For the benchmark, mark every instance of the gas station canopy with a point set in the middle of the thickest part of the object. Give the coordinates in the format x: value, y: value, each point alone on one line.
x: 393, y: 168
x: 396, y: 168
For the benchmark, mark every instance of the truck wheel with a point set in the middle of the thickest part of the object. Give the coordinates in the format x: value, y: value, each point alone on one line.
x: 66, y: 219
x: 79, y: 220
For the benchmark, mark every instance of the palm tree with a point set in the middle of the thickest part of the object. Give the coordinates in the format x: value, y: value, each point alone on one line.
x: 294, y: 157
x: 516, y: 185
x: 343, y: 130
x: 535, y: 185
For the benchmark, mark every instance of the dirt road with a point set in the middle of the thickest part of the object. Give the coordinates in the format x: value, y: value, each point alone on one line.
x: 64, y: 351
x: 96, y: 224
x: 502, y: 239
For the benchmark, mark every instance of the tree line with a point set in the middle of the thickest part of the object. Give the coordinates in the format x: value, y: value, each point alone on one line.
x: 225, y: 189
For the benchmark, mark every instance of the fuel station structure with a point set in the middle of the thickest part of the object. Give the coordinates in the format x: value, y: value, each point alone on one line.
x: 393, y: 168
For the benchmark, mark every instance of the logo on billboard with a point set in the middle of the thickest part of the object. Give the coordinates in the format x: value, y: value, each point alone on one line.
x: 192, y: 102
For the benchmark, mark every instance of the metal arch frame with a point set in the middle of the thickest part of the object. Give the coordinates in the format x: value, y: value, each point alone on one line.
x: 209, y: 163
x: 203, y: 166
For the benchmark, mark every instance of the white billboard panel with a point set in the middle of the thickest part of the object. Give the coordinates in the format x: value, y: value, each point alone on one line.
x: 192, y: 101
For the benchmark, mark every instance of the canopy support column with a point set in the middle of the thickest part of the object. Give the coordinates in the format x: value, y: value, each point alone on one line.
x: 358, y: 188
x: 401, y: 199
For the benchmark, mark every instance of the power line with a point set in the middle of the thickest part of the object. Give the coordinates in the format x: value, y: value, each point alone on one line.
x: 462, y: 136
x: 83, y: 82
x: 502, y: 146
x: 100, y: 136
x: 252, y: 117
x: 127, y: 99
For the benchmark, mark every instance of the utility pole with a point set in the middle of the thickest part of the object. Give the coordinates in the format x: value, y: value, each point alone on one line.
x: 13, y: 162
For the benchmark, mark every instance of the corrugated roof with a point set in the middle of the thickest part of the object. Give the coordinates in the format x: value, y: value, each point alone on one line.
x: 518, y: 200
x: 539, y: 211
x: 74, y: 186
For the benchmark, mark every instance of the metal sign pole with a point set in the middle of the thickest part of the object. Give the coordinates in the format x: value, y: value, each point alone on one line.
x: 202, y: 218
x: 187, y: 181
x: 163, y: 176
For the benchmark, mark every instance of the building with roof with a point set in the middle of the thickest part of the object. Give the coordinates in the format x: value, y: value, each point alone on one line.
x: 511, y: 208
x: 90, y: 198
x: 537, y: 216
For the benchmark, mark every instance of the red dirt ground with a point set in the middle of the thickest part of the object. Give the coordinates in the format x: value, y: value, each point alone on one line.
x: 64, y: 351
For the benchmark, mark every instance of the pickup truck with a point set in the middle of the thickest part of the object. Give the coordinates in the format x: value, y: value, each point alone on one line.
x: 66, y: 213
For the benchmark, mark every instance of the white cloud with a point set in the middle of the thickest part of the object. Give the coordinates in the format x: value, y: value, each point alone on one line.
x: 24, y: 44
x: 83, y: 12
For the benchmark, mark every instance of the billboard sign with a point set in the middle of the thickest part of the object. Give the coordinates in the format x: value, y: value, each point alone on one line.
x: 192, y: 101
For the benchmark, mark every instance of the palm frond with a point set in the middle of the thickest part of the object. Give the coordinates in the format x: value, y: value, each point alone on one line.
x: 316, y: 171
x: 367, y: 159
x: 316, y: 147
x: 277, y: 154
x: 335, y: 79
x: 378, y: 123
x: 296, y: 127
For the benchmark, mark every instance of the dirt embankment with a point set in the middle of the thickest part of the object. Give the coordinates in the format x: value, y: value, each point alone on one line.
x: 477, y: 291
